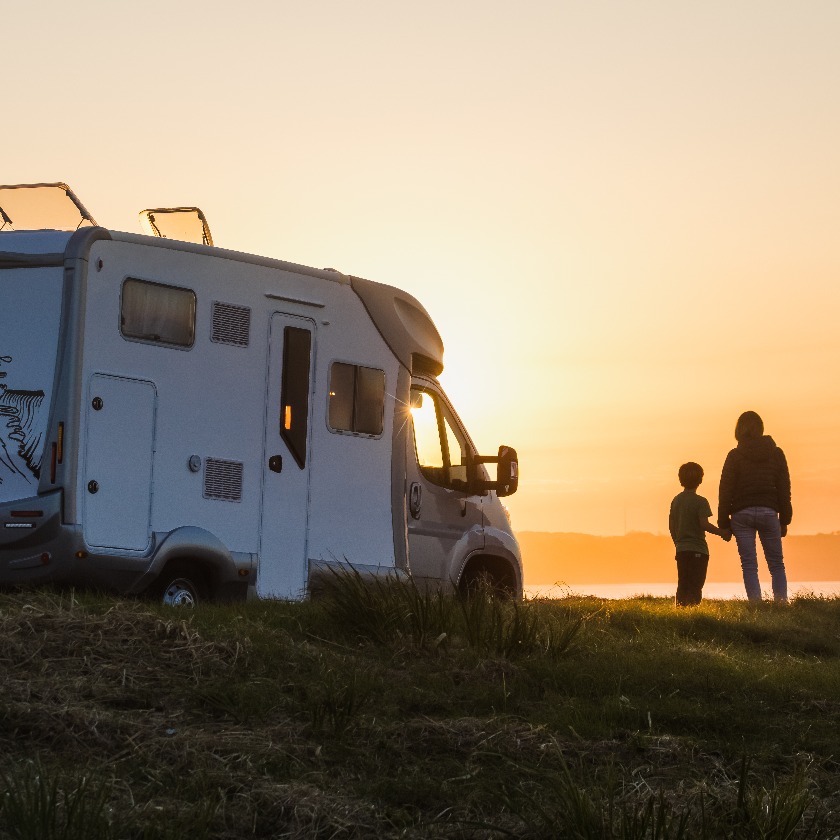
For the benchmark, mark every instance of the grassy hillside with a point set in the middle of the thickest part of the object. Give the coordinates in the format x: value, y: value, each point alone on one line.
x: 649, y: 558
x: 385, y: 713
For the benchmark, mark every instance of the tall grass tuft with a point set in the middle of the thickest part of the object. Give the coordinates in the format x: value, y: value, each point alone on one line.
x: 337, y: 699
x: 506, y: 628
x: 654, y: 818
x: 389, y: 610
x: 785, y: 811
x: 551, y: 804
x: 386, y: 610
x: 41, y: 804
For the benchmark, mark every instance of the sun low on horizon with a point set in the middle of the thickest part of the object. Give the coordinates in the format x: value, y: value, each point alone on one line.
x: 621, y: 217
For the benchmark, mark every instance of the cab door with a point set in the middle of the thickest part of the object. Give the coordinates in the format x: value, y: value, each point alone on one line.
x: 445, y: 522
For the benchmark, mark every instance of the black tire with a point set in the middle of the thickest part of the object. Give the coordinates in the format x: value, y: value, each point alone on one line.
x: 181, y: 586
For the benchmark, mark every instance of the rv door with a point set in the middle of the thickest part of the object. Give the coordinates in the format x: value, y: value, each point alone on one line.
x: 282, y: 571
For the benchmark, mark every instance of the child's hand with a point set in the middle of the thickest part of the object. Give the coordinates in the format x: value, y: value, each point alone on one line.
x: 726, y: 534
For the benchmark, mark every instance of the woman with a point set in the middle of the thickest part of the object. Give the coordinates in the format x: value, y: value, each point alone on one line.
x: 754, y: 499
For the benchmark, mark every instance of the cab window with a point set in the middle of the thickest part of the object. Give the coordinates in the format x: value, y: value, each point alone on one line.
x: 439, y: 444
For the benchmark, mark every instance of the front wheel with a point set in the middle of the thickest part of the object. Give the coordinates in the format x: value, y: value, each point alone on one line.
x: 490, y: 577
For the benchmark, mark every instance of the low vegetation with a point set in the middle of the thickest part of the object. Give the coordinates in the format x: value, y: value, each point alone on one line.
x: 386, y: 711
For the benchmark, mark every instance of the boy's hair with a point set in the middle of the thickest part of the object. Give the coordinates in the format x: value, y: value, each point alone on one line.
x: 749, y: 425
x: 691, y: 475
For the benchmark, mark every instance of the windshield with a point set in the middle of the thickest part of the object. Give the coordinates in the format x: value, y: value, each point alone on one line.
x: 41, y: 207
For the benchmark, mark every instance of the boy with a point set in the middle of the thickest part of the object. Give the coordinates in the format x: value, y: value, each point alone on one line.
x: 688, y: 523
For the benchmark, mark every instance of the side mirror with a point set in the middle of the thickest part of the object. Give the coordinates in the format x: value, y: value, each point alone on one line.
x: 507, y: 472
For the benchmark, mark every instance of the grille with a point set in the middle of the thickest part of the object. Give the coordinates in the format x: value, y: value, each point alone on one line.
x: 223, y: 480
x: 231, y: 324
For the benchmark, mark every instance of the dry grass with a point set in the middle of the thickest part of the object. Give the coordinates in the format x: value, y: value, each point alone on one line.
x: 123, y: 720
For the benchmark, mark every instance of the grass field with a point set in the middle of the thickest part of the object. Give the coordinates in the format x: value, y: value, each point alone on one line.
x: 386, y: 712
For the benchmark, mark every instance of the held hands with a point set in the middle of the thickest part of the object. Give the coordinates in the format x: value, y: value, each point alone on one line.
x: 725, y: 534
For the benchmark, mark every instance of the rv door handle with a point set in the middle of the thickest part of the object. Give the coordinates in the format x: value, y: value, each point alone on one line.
x: 275, y: 463
x: 415, y: 495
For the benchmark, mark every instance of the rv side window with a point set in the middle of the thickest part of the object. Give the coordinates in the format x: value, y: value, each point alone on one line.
x: 357, y: 399
x: 440, y: 446
x: 294, y: 391
x: 157, y: 313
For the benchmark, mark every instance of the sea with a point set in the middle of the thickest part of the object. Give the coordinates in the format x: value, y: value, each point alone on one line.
x: 713, y: 591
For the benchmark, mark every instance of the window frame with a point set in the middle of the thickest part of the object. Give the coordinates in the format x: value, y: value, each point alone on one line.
x: 148, y: 341
x: 295, y: 393
x: 356, y: 366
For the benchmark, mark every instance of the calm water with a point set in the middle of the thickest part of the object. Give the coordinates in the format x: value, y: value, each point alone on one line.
x: 826, y: 588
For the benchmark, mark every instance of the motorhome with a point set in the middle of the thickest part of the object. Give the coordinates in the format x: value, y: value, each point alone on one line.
x: 197, y: 423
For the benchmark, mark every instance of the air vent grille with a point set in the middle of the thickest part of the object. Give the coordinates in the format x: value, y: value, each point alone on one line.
x: 223, y: 480
x: 231, y: 324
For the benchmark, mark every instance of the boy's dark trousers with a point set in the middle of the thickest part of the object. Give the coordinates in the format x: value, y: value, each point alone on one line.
x: 691, y: 575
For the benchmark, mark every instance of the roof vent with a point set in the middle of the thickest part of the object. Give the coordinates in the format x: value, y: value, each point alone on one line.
x: 42, y: 207
x: 188, y: 224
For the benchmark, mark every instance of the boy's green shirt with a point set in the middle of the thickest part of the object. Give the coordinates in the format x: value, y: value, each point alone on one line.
x: 684, y: 522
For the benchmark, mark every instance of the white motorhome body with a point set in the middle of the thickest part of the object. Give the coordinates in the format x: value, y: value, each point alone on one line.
x: 184, y: 419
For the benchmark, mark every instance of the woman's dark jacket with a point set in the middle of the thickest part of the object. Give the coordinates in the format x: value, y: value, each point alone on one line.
x: 755, y: 474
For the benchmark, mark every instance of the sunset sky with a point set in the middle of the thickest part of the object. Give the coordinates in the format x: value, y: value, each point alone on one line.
x: 623, y: 216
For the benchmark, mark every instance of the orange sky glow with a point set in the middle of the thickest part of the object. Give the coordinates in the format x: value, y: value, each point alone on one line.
x: 622, y: 216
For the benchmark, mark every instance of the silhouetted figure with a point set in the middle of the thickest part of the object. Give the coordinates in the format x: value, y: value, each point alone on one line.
x: 688, y: 523
x: 755, y: 499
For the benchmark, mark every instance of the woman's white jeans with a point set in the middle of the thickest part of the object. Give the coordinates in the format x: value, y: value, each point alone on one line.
x: 763, y: 521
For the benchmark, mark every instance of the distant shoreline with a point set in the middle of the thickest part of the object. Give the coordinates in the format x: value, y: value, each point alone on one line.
x: 729, y: 591
x: 641, y: 558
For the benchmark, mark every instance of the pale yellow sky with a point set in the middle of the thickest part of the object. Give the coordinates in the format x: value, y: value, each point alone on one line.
x: 620, y: 214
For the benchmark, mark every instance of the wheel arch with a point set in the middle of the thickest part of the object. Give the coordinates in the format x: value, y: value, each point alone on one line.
x: 193, y: 547
x: 502, y: 570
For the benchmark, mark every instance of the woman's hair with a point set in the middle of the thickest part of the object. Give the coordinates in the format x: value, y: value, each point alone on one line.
x: 690, y: 475
x: 749, y: 426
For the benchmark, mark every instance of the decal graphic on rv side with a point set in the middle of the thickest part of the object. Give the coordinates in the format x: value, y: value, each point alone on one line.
x: 20, y: 435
